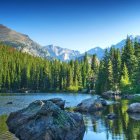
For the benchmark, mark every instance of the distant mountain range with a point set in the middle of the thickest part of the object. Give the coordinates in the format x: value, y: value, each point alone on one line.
x: 62, y: 54
x: 23, y: 43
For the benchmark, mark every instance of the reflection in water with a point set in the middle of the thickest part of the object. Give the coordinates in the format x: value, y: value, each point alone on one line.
x: 121, y: 128
x: 98, y: 127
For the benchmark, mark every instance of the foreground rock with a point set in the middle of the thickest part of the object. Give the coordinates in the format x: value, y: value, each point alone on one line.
x: 134, y: 108
x: 91, y: 105
x: 45, y: 120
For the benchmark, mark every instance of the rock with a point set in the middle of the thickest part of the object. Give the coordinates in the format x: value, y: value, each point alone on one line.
x: 104, y: 102
x: 128, y: 96
x: 134, y: 108
x: 90, y: 105
x: 135, y: 116
x: 8, y: 103
x: 111, y: 94
x: 58, y: 101
x: 111, y: 116
x: 44, y: 120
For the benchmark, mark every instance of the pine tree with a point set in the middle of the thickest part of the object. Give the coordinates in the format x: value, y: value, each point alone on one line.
x: 101, y: 79
x: 129, y: 58
x: 95, y: 64
x: 137, y: 49
x: 116, y: 61
x: 70, y: 77
x: 137, y: 80
x: 94, y: 71
x: 137, y: 76
x: 85, y: 71
x: 125, y: 81
x: 105, y: 69
x: 76, y: 71
x: 110, y: 82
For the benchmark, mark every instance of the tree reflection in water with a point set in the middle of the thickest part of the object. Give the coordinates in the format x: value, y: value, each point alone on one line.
x: 124, y: 127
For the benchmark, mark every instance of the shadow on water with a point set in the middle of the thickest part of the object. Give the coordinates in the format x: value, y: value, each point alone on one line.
x: 98, y: 127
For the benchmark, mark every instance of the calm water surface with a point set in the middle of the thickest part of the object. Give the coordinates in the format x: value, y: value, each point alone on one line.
x: 98, y: 127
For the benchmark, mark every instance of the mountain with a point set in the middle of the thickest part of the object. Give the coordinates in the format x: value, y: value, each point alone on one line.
x: 21, y: 42
x: 62, y: 54
x: 122, y: 43
x: 97, y: 50
x: 100, y: 52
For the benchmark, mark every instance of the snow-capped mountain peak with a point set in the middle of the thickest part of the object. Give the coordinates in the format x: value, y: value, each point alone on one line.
x: 62, y: 54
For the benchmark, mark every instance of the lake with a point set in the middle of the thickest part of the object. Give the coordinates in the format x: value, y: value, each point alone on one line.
x: 98, y: 127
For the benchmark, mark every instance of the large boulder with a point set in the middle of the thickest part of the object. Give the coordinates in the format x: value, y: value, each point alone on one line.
x: 45, y: 120
x: 90, y: 105
x: 134, y: 108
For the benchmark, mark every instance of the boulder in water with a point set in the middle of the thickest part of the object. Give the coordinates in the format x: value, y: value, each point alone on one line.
x: 134, y: 108
x: 45, y: 120
x: 90, y: 105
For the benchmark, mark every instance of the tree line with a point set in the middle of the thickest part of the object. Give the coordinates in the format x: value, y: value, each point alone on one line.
x: 117, y: 70
x: 23, y: 72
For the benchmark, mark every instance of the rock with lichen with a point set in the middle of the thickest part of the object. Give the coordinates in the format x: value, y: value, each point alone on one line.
x: 45, y: 120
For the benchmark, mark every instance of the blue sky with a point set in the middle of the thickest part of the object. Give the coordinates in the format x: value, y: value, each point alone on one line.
x: 73, y: 24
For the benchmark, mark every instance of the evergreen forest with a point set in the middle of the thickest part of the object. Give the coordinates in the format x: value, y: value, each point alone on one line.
x: 118, y: 70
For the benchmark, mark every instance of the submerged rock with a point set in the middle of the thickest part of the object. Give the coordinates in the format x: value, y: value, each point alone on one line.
x: 9, y: 103
x: 134, y: 108
x: 91, y: 105
x: 45, y: 120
